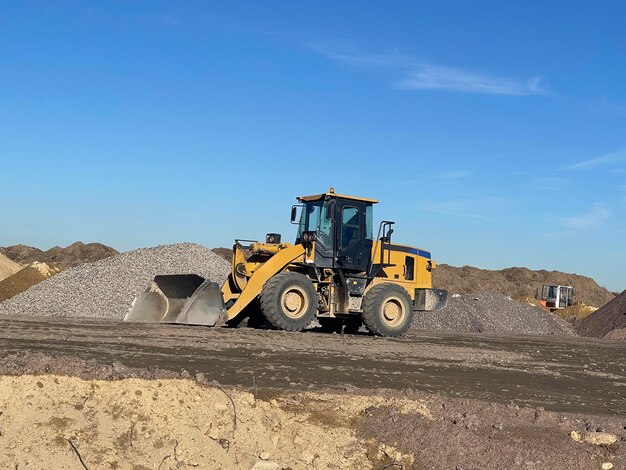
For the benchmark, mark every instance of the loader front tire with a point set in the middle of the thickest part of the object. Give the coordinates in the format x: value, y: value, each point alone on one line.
x: 289, y: 301
x: 387, y: 310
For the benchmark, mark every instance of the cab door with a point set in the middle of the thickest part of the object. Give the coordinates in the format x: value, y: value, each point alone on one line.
x: 350, y: 235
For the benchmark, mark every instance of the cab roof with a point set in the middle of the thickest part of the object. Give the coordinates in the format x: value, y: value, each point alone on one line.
x: 332, y: 193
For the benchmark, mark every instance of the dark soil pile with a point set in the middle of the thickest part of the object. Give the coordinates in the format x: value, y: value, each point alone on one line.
x: 74, y: 255
x: 517, y: 282
x: 471, y: 434
x: 490, y: 312
x: 607, y: 320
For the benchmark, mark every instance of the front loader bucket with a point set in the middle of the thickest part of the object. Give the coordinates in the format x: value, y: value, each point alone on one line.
x: 430, y: 299
x: 181, y: 298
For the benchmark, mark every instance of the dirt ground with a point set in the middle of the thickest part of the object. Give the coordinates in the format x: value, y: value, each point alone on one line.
x: 143, y: 396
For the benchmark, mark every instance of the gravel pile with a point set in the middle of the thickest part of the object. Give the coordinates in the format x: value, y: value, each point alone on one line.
x: 107, y: 287
x: 493, y: 313
x: 611, y: 317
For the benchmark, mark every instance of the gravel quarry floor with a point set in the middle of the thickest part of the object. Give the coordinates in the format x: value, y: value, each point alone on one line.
x: 140, y: 396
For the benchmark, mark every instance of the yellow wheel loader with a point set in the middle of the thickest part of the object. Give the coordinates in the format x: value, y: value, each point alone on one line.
x: 335, y: 272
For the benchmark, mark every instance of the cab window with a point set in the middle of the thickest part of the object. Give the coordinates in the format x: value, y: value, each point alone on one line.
x: 349, y: 225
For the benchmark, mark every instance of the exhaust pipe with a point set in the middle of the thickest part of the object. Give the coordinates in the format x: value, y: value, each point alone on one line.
x: 181, y: 298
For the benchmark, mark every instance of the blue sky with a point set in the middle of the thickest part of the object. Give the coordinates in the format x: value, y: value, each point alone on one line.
x: 492, y: 132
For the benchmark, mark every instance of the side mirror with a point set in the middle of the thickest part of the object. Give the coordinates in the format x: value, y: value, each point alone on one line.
x: 330, y: 210
x: 294, y: 214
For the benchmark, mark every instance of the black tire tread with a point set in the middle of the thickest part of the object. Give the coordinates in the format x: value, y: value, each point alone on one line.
x: 269, y: 301
x: 371, y: 308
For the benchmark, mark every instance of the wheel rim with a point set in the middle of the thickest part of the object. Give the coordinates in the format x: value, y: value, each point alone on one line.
x: 294, y: 302
x: 393, y: 312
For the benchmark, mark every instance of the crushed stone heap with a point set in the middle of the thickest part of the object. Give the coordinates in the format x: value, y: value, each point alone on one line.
x: 608, y: 322
x: 106, y: 288
x: 490, y: 312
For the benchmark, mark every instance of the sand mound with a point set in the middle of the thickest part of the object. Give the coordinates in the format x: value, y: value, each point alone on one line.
x: 490, y: 312
x: 610, y: 317
x: 576, y: 312
x: 8, y: 267
x: 49, y: 421
x: 516, y: 282
x: 25, y: 278
x: 107, y: 287
x: 64, y: 258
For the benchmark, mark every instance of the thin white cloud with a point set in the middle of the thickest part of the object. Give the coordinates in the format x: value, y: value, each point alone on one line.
x: 605, y: 106
x: 559, y: 235
x: 549, y: 184
x: 456, y: 174
x: 602, y: 160
x: 449, y: 175
x: 439, y: 210
x: 434, y: 77
x: 597, y: 216
x: 420, y: 75
x: 474, y: 207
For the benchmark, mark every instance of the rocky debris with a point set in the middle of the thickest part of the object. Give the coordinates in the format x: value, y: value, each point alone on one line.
x: 266, y: 465
x: 595, y: 438
x: 518, y: 283
x: 73, y: 255
x: 29, y: 363
x: 25, y: 278
x: 499, y: 436
x: 608, y: 319
x: 8, y: 267
x: 618, y: 333
x: 490, y: 312
x: 106, y: 288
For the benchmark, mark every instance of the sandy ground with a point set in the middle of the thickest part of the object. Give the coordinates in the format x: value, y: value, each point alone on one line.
x: 60, y: 422
x: 49, y: 421
x: 150, y: 396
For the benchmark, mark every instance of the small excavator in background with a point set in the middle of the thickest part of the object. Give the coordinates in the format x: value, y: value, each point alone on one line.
x: 335, y: 272
x: 556, y: 297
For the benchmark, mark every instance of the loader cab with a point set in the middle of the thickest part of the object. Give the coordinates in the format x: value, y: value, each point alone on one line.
x: 343, y: 227
x: 556, y: 297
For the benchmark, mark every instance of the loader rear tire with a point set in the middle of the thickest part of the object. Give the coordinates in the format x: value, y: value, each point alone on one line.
x: 387, y: 310
x: 289, y: 301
